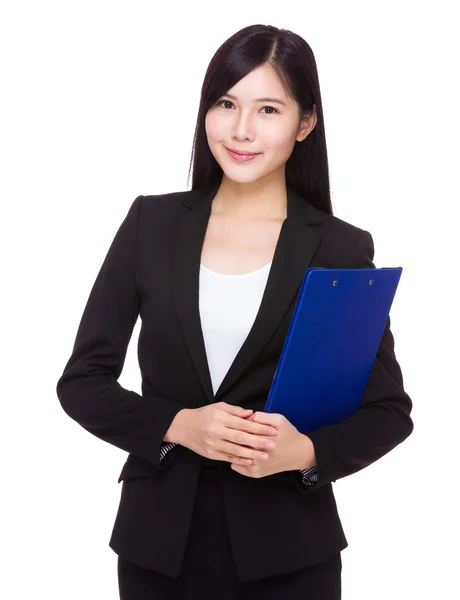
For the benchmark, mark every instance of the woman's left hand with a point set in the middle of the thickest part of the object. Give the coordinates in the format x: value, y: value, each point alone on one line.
x: 294, y: 450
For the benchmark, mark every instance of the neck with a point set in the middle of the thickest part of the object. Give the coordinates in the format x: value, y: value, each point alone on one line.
x: 267, y: 200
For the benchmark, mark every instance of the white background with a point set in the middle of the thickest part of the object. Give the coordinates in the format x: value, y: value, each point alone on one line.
x: 98, y: 105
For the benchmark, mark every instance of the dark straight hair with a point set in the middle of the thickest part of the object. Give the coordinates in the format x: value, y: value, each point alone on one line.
x: 292, y: 59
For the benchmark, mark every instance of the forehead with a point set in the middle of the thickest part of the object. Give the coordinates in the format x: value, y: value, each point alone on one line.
x: 260, y: 85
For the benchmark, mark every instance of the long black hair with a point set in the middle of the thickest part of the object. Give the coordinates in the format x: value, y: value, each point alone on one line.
x: 294, y: 63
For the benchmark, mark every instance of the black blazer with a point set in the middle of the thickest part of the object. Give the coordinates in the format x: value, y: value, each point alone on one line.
x: 276, y: 523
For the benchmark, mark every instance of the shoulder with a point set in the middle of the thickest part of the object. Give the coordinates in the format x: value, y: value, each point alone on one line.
x: 157, y: 203
x: 344, y: 243
x: 151, y: 209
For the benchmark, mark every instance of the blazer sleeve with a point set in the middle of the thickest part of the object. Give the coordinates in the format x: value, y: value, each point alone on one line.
x: 382, y: 421
x: 88, y: 389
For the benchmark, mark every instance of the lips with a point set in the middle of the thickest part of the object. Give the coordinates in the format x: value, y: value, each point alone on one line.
x: 242, y: 153
x: 242, y: 158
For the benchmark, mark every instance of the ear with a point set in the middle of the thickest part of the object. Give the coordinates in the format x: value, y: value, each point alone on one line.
x: 307, y: 125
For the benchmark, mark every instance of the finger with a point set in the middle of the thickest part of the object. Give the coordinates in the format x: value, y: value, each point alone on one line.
x: 238, y: 460
x: 241, y: 454
x: 245, y: 452
x: 248, y: 472
x: 271, y: 419
x: 238, y: 468
x: 235, y: 410
x: 243, y: 469
x: 251, y: 427
x: 243, y: 440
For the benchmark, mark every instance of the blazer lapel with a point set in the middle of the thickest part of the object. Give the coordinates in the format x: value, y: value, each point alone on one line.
x: 296, y: 247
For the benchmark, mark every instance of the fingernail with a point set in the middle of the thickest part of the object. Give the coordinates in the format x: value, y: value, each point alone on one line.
x: 272, y: 431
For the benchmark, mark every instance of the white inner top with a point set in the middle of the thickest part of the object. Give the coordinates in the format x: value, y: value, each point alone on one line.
x: 229, y: 304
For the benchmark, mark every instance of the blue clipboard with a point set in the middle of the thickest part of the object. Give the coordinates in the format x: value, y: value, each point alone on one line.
x: 331, y: 344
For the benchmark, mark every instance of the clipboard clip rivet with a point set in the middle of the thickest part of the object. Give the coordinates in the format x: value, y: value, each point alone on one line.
x: 371, y: 282
x: 335, y: 282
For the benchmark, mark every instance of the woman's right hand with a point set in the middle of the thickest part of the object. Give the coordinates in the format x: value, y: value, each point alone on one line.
x: 221, y: 431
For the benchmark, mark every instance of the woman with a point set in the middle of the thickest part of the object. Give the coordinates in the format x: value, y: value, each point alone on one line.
x: 207, y: 509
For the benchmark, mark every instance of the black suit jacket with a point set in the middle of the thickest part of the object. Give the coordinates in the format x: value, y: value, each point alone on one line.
x: 276, y: 524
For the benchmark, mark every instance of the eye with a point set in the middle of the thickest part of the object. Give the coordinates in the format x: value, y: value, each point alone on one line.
x: 228, y: 102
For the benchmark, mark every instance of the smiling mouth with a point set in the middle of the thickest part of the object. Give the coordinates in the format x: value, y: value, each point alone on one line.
x: 241, y: 153
x: 242, y: 158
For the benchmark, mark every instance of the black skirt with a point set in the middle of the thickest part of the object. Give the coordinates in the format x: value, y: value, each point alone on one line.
x: 208, y: 571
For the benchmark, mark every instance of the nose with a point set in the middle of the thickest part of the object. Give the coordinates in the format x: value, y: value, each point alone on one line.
x: 243, y: 129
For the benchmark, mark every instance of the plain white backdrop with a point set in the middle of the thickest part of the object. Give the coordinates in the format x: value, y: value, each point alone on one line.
x: 98, y: 105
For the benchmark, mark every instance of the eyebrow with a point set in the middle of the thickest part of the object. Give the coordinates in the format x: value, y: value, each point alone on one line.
x: 276, y: 100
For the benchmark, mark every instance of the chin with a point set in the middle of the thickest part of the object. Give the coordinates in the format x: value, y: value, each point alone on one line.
x: 239, y: 179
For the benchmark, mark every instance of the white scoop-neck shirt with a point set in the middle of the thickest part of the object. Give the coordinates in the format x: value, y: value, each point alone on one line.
x: 228, y: 305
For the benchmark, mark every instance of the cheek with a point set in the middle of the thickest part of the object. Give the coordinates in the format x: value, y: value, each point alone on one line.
x: 214, y: 129
x: 280, y: 147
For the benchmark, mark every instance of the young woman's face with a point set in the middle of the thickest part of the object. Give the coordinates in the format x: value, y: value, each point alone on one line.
x: 240, y: 120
